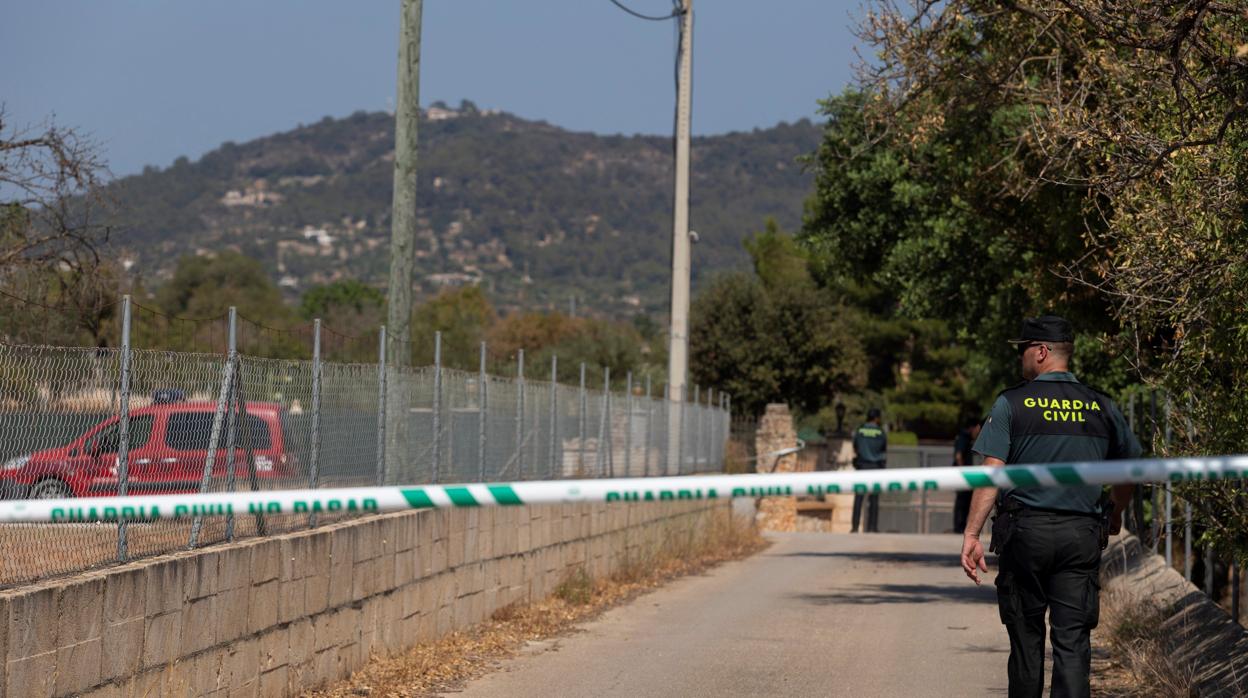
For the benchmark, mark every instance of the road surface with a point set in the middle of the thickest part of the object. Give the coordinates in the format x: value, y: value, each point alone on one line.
x: 814, y: 615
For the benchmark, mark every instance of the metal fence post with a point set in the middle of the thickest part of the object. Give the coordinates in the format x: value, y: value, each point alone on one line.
x: 554, y: 413
x: 482, y: 396
x: 123, y: 422
x: 697, y: 426
x: 1169, y: 493
x: 1157, y: 529
x: 649, y: 428
x: 314, y: 465
x: 214, y: 437
x: 381, y: 406
x: 604, y: 437
x: 628, y: 426
x: 437, y: 405
x: 680, y: 435
x: 1187, y: 541
x: 232, y: 415
x: 520, y: 415
x: 580, y: 425
x: 1208, y: 571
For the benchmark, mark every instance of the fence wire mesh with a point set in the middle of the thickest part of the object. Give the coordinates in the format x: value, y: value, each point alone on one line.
x: 215, y: 405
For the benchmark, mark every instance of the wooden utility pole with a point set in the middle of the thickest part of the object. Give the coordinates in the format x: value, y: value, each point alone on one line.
x: 403, y: 226
x: 678, y: 355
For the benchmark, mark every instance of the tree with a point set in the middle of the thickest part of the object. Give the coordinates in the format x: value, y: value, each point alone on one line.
x: 463, y: 316
x: 52, y: 230
x: 788, y: 343
x: 1136, y: 110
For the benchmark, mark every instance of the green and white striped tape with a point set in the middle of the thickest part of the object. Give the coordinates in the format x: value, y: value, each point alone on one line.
x: 687, y: 487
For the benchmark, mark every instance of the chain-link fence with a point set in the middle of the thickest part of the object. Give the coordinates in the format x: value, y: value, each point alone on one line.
x: 214, y: 416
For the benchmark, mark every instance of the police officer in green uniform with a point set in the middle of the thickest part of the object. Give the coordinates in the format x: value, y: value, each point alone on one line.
x: 870, y: 449
x: 1048, y: 539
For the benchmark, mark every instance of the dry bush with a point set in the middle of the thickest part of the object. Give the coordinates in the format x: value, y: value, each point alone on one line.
x: 1137, y: 638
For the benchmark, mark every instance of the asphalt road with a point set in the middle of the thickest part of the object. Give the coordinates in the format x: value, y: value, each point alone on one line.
x: 814, y: 615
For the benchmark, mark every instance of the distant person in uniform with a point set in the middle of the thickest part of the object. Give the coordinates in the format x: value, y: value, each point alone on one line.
x: 870, y: 447
x: 964, y: 454
x: 1048, y: 539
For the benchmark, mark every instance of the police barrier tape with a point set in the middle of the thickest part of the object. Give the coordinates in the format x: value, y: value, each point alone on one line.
x: 686, y: 487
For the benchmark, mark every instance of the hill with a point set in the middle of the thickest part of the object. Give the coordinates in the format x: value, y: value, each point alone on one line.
x: 535, y: 213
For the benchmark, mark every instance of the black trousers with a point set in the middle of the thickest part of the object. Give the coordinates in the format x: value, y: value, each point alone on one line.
x: 1051, y: 563
x: 873, y: 502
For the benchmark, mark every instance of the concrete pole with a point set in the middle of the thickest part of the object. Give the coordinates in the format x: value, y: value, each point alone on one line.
x: 678, y: 361
x: 403, y: 227
x: 403, y: 212
x: 123, y: 436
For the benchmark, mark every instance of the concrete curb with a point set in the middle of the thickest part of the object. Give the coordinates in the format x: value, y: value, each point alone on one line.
x: 1201, y: 634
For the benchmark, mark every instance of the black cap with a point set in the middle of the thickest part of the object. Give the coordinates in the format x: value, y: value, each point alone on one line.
x: 1046, y: 328
x: 873, y: 413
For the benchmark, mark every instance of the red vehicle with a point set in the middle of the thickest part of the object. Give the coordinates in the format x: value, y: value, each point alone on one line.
x: 168, y: 452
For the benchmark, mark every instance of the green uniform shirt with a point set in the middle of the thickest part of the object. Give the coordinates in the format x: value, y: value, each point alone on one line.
x: 1055, y: 419
x: 870, y: 444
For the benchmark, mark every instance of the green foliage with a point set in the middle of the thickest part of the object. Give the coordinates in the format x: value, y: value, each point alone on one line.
x: 785, y: 343
x: 463, y: 316
x: 340, y: 296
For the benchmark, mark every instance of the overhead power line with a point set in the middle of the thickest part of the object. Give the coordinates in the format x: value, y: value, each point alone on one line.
x: 652, y: 18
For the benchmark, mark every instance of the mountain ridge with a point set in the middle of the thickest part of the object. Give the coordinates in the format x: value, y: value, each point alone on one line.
x: 536, y: 213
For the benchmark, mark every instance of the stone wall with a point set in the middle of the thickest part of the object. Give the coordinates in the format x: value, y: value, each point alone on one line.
x: 776, y: 433
x: 272, y: 616
x: 1200, y: 635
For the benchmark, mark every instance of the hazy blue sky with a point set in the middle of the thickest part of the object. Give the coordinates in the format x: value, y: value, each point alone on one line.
x: 155, y: 79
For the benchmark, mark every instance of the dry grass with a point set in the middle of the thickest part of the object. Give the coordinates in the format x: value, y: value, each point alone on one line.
x: 1140, y: 662
x: 430, y: 668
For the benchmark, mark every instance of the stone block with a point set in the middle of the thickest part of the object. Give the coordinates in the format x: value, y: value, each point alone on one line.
x: 247, y: 689
x: 325, y: 665
x: 123, y: 643
x: 240, y: 664
x: 291, y: 599
x: 317, y: 557
x: 364, y: 579
x: 31, y: 622
x: 385, y: 570
x: 273, y: 684
x: 300, y: 642
x: 404, y: 533
x: 233, y: 570
x: 455, y: 550
x: 266, y: 561
x: 199, y: 626
x: 342, y: 585
x: 262, y: 606
x: 152, y: 683
x: 125, y: 594
x: 165, y: 586
x: 299, y: 677
x: 316, y: 593
x: 231, y: 613
x: 439, y: 556
x: 366, y: 541
x: 404, y: 568
x: 349, y: 659
x: 162, y: 639
x: 33, y: 675
x: 274, y: 648
x: 385, y: 534
x: 341, y: 546
x: 205, y: 672
x: 201, y: 575
x: 108, y: 690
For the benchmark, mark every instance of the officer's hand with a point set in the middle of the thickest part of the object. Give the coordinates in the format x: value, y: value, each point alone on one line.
x: 973, y: 558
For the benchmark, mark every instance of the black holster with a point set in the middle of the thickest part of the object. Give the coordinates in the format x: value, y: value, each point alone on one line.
x: 1107, y: 512
x: 1004, y: 522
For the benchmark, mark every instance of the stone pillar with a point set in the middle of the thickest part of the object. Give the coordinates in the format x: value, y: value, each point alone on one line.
x: 776, y: 433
